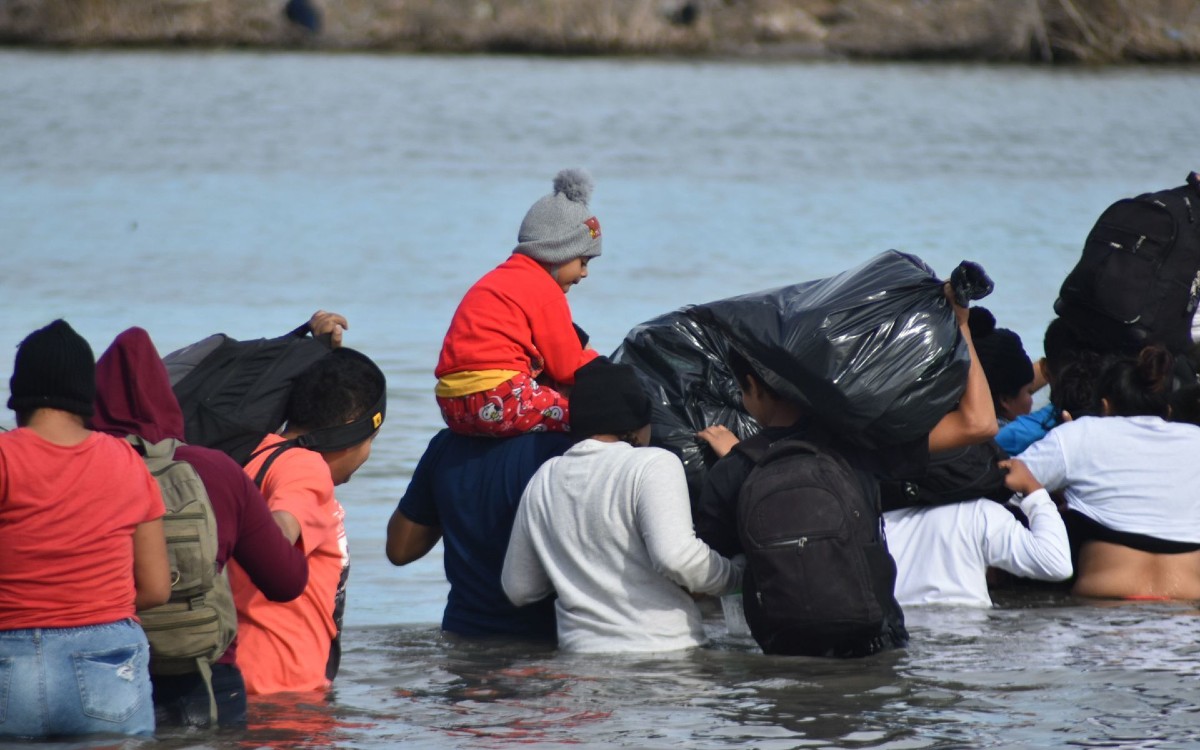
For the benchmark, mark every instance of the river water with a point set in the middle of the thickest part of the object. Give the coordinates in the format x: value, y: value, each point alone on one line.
x: 198, y: 192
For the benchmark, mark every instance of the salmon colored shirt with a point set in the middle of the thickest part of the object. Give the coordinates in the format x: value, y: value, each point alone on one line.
x: 284, y: 646
x: 67, y: 517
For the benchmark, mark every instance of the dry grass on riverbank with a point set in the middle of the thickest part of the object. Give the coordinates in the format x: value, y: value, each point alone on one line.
x: 1091, y: 31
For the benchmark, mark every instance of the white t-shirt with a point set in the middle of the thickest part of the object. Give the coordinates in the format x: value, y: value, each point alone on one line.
x: 609, y: 528
x: 942, y: 553
x: 1138, y: 475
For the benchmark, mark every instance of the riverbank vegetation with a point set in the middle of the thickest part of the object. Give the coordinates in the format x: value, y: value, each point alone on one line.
x: 1041, y: 31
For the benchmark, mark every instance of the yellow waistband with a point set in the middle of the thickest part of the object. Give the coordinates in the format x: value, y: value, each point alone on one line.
x: 471, y: 381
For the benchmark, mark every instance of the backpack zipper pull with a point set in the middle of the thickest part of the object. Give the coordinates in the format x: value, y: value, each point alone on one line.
x: 800, y: 544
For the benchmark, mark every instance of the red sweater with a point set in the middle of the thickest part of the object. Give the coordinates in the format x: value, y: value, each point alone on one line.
x: 515, y: 318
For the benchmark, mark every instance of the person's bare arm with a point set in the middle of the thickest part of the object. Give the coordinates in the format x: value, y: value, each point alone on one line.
x: 974, y: 421
x: 408, y: 541
x: 151, y: 571
x: 1040, y: 380
x: 288, y: 524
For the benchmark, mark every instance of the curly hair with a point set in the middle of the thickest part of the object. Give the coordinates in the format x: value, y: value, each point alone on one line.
x: 1076, y: 389
x: 334, y: 390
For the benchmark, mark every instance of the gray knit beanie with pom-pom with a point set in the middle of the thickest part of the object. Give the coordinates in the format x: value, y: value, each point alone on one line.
x: 560, y: 227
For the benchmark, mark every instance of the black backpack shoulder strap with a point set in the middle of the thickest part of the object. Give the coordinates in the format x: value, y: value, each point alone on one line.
x: 276, y: 450
x: 754, y: 447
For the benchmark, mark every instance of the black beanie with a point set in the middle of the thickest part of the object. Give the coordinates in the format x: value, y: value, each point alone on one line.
x: 608, y: 399
x: 54, y: 369
x: 1005, y: 363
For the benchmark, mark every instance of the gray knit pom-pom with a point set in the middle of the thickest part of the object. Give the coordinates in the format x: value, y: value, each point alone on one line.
x: 574, y: 184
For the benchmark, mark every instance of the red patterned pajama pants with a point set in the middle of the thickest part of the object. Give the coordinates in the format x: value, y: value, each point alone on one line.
x: 514, y: 407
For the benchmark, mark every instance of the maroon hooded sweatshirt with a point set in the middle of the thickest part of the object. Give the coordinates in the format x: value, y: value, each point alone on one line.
x: 134, y: 397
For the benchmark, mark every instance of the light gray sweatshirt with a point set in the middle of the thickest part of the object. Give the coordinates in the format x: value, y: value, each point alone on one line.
x: 609, y: 528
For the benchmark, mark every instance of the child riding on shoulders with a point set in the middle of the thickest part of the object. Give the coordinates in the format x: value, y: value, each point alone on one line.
x: 512, y: 347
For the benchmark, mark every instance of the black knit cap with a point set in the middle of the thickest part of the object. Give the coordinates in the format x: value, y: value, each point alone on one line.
x: 608, y: 399
x: 54, y: 369
x: 1005, y: 363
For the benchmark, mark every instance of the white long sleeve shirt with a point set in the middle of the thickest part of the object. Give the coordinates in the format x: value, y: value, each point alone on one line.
x: 942, y: 553
x: 609, y: 528
x: 1134, y: 474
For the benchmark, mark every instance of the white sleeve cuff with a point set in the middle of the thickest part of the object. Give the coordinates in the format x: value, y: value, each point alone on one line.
x: 1031, y: 501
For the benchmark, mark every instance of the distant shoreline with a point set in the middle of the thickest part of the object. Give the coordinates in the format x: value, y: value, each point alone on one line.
x: 1092, y: 32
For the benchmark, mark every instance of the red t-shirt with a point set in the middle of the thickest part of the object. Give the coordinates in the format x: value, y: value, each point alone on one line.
x: 284, y: 646
x: 515, y: 318
x: 67, y: 516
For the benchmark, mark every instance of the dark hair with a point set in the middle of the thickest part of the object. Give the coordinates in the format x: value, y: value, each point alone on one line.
x: 742, y: 371
x: 1139, y: 386
x: 608, y: 398
x: 1076, y: 386
x: 629, y: 437
x: 1185, y: 404
x: 1001, y: 355
x: 1062, y: 345
x: 334, y: 390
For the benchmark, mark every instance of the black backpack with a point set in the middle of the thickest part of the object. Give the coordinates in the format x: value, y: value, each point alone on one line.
x: 234, y: 392
x: 968, y: 473
x: 819, y: 580
x: 1138, y: 281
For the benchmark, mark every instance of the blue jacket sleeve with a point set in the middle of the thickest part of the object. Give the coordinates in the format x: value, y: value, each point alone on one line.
x: 1026, y: 430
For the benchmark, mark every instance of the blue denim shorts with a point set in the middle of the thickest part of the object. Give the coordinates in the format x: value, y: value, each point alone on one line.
x: 93, y: 679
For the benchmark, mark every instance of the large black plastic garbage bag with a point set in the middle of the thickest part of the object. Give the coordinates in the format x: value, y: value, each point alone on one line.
x: 682, y: 365
x: 875, y: 352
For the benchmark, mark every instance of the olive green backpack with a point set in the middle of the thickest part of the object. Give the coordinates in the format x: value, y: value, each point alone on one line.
x: 196, y: 625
